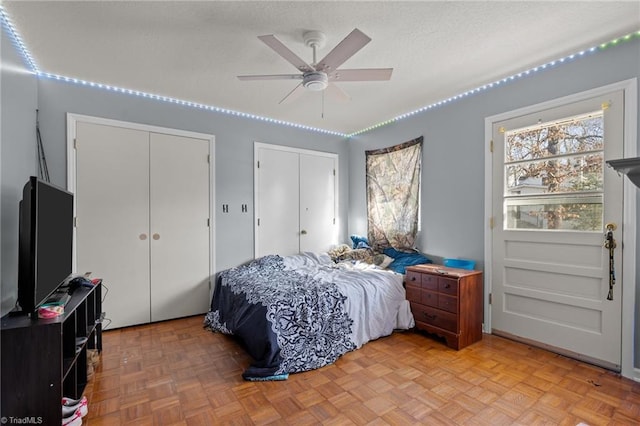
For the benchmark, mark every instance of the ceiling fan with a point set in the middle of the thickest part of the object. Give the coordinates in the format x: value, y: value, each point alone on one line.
x: 321, y: 75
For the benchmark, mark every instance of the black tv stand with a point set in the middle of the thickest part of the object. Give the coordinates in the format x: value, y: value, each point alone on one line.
x: 40, y: 361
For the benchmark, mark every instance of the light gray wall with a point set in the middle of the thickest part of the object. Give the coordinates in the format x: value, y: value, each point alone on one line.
x: 18, y: 158
x: 234, y: 135
x: 453, y: 153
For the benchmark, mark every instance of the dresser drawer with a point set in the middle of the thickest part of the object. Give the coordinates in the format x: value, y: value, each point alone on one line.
x: 427, y: 282
x: 436, y: 317
x: 430, y: 298
x: 413, y: 278
x: 448, y: 286
x: 414, y: 292
x: 447, y: 303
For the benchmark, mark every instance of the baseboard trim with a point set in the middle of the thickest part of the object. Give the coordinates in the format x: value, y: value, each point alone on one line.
x: 569, y: 354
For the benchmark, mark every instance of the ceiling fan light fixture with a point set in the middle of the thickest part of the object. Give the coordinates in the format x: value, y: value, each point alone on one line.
x: 317, y: 75
x: 315, y: 81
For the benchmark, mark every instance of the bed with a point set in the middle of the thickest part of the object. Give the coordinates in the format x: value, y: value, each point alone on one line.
x: 302, y: 312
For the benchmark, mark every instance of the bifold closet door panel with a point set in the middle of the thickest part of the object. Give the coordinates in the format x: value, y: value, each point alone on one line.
x: 179, y: 226
x: 317, y: 203
x: 112, y: 211
x: 278, y: 203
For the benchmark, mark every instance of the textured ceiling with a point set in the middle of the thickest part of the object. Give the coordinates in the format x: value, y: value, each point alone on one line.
x: 194, y: 50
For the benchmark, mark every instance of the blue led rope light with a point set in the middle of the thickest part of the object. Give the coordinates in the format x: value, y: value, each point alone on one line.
x: 27, y: 56
x: 6, y: 22
x: 185, y: 103
x: 502, y: 81
x: 17, y: 41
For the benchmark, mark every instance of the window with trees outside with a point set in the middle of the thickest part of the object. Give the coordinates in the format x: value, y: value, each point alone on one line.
x: 553, y: 175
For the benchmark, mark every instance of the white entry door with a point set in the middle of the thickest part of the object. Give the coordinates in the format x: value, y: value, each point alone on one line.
x: 553, y: 196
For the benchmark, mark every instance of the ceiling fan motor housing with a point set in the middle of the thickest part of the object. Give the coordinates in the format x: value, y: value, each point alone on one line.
x: 314, y: 39
x: 315, y: 80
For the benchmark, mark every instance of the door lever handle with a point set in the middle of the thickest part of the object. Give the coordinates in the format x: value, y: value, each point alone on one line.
x: 610, y: 244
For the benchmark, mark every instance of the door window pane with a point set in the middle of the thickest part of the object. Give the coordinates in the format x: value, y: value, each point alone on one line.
x: 578, y: 134
x: 560, y: 175
x: 553, y: 175
x: 583, y: 213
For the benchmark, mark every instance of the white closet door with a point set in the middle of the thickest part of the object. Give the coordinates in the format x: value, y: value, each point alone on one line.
x: 112, y: 210
x: 317, y: 203
x: 179, y: 201
x: 277, y: 203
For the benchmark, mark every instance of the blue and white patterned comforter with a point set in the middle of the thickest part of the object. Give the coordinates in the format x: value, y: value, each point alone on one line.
x: 302, y: 312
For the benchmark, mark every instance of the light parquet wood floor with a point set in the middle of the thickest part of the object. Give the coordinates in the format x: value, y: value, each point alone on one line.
x: 177, y: 373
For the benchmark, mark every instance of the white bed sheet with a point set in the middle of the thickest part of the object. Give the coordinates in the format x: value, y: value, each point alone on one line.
x: 376, y: 299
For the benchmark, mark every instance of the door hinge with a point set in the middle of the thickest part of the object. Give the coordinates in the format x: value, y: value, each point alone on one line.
x: 334, y: 172
x: 258, y: 221
x: 491, y: 145
x: 75, y: 222
x: 334, y: 220
x: 75, y: 143
x: 258, y: 164
x: 208, y: 222
x: 491, y: 222
x: 490, y: 298
x: 208, y: 158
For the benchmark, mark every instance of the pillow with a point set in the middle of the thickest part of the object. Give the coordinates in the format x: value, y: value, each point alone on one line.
x: 359, y: 242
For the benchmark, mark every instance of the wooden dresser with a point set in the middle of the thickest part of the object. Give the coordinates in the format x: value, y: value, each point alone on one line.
x: 446, y: 302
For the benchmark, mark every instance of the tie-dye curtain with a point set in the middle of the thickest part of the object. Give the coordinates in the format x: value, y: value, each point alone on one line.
x: 393, y: 194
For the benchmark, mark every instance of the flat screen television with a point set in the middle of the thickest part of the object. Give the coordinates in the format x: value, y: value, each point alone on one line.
x: 45, y: 242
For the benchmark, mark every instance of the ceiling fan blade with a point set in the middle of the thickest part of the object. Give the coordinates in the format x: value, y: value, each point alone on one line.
x: 355, y: 41
x: 271, y: 77
x: 293, y: 95
x: 337, y: 93
x: 285, y: 52
x: 364, y: 74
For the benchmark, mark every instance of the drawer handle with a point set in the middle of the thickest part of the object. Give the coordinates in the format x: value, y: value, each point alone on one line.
x: 413, y: 278
x: 447, y: 286
x: 430, y: 316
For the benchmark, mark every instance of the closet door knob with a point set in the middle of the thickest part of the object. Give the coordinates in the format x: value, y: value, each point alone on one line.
x: 142, y: 236
x: 156, y: 236
x: 303, y: 232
